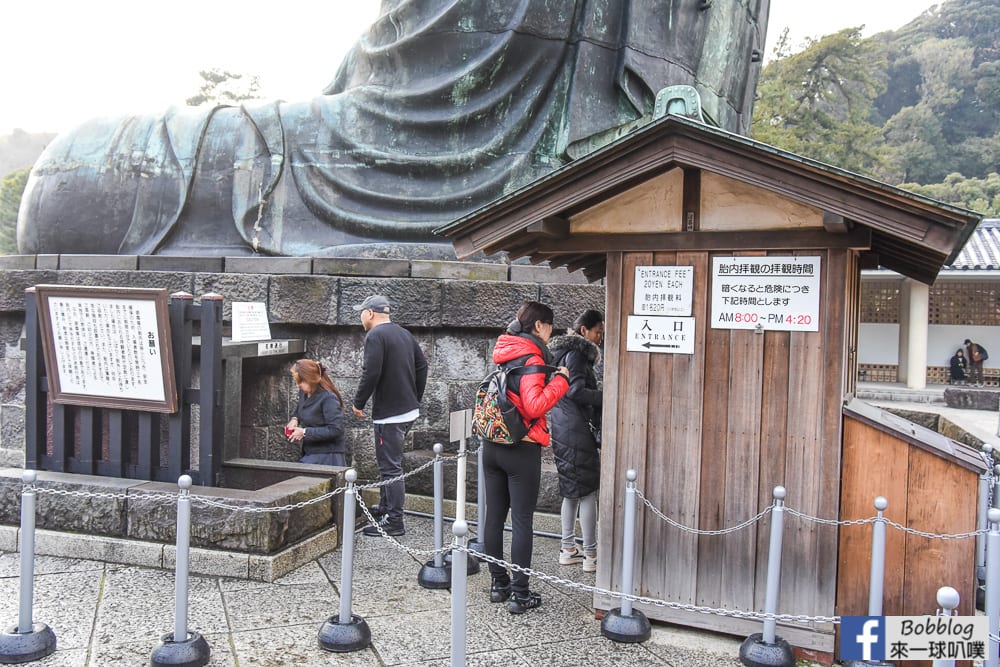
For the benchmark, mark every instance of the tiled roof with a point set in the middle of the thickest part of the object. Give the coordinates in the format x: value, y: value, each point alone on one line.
x: 982, y: 252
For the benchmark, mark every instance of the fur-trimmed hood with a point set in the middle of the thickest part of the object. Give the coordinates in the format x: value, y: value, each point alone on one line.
x: 572, y: 342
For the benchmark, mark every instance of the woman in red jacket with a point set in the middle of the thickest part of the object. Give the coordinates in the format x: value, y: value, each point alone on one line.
x: 513, y: 472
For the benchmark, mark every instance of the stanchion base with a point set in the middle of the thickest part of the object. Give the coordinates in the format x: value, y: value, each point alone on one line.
x: 755, y: 652
x: 981, y: 597
x: 434, y: 577
x: 192, y: 652
x: 345, y: 637
x: 632, y: 629
x: 472, y: 563
x: 476, y: 546
x: 17, y: 647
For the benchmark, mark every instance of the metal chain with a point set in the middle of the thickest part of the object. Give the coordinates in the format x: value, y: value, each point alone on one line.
x: 988, y: 460
x: 211, y: 502
x: 104, y: 495
x: 830, y: 522
x: 576, y: 585
x: 697, y: 531
x: 398, y: 478
x: 392, y: 540
x: 889, y: 522
x: 933, y: 536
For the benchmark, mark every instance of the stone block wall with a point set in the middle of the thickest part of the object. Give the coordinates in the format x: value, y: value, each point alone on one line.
x: 455, y: 310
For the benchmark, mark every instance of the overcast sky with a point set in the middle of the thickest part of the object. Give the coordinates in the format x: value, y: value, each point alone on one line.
x: 63, y: 61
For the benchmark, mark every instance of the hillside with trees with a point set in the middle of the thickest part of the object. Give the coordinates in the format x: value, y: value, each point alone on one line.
x: 918, y: 107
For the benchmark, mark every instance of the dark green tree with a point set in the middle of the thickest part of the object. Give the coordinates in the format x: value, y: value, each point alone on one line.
x: 11, y: 189
x: 819, y: 102
x: 977, y: 194
x: 222, y: 87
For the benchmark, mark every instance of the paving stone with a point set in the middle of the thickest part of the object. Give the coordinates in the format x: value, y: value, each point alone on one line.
x: 294, y: 645
x: 403, y: 639
x: 67, y: 658
x: 285, y: 605
x: 594, y: 651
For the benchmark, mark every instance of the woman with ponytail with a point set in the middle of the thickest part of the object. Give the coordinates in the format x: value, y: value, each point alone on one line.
x: 318, y: 420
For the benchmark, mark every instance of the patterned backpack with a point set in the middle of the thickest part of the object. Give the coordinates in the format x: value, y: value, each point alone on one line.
x: 495, y: 418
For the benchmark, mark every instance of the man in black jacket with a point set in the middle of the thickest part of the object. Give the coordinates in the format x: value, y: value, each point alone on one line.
x: 394, y: 376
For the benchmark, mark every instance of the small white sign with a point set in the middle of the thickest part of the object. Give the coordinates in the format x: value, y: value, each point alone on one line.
x: 767, y: 293
x: 250, y: 321
x: 670, y: 335
x: 272, y: 347
x: 663, y: 290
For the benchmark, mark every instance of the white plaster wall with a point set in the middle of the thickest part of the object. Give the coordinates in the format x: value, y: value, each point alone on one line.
x: 879, y: 343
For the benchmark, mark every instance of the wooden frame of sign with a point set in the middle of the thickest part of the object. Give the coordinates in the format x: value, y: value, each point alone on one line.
x: 107, y: 347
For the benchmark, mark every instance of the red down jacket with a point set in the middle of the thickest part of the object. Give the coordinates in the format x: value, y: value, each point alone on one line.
x: 536, y: 397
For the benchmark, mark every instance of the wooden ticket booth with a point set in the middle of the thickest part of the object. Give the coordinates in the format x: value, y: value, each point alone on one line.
x: 733, y: 284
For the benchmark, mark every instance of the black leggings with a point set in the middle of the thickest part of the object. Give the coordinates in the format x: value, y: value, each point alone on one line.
x: 513, y: 474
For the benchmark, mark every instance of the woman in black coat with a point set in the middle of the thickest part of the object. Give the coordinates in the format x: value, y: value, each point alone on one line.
x: 575, y: 424
x: 318, y: 422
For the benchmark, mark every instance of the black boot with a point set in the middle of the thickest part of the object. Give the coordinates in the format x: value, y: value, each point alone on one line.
x: 522, y: 602
x: 500, y: 590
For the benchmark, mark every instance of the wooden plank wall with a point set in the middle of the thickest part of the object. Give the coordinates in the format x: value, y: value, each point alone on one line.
x: 913, y: 481
x: 710, y: 435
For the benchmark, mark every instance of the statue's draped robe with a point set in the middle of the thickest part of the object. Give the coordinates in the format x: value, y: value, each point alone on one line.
x: 440, y: 108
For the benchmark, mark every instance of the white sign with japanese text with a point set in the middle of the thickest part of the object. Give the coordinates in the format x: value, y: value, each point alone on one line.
x: 107, y: 347
x: 767, y: 293
x: 650, y: 333
x: 663, y: 290
x: 250, y: 321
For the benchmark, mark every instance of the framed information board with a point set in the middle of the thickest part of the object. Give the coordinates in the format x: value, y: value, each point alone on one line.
x: 107, y: 347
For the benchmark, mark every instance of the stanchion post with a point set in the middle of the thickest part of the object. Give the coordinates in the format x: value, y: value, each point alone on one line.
x: 436, y: 573
x: 477, y: 544
x: 461, y: 430
x: 876, y: 579
x: 27, y: 641
x: 458, y: 594
x: 948, y: 598
x: 181, y: 647
x: 766, y: 649
x: 624, y: 624
x: 993, y: 587
x: 347, y: 632
x: 985, y: 489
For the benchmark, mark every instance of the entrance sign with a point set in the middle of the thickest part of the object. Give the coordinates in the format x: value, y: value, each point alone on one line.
x: 250, y: 321
x: 663, y: 290
x: 766, y: 293
x: 672, y: 335
x: 107, y: 347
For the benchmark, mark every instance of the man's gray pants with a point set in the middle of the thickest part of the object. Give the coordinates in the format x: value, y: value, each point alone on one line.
x: 389, y: 456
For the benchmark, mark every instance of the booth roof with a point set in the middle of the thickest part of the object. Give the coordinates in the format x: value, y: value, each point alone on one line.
x: 909, y: 233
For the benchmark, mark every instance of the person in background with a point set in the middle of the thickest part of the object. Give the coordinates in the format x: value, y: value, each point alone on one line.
x: 977, y: 356
x: 958, y: 364
x: 318, y: 421
x: 394, y: 377
x: 575, y: 423
x: 513, y: 472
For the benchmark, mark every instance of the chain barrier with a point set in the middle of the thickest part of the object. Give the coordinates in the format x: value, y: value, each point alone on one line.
x: 576, y: 585
x: 888, y: 522
x: 392, y: 540
x: 212, y: 502
x: 697, y: 531
x: 988, y: 460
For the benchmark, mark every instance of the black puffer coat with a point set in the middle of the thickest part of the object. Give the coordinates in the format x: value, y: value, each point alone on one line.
x: 578, y: 457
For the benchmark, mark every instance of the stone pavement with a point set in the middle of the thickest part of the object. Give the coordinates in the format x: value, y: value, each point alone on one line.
x: 108, y: 615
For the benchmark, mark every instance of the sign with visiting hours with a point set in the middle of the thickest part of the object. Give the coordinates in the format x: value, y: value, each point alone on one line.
x: 107, y: 347
x: 765, y: 293
x: 649, y: 333
x: 663, y: 290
